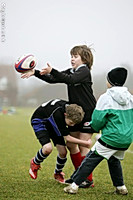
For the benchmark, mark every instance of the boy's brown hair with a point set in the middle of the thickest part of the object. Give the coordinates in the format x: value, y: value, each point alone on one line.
x: 85, y: 53
x: 74, y: 113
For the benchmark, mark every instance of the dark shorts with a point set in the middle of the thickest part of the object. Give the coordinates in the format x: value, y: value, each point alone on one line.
x: 45, y: 135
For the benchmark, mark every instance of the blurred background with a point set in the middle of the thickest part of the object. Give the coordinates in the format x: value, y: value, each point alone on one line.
x: 48, y: 29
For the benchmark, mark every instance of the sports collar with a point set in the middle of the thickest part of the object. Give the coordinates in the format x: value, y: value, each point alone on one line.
x: 73, y: 70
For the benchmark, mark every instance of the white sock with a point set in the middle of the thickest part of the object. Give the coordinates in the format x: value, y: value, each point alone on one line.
x: 121, y: 187
x: 74, y: 186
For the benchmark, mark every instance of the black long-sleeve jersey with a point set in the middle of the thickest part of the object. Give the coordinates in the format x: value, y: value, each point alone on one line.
x: 50, y: 115
x: 79, y: 85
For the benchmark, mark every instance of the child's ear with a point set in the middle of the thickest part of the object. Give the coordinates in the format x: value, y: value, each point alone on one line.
x: 65, y: 114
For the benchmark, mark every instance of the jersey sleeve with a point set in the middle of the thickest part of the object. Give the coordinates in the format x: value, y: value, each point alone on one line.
x: 49, y: 78
x: 72, y: 78
x: 100, y: 113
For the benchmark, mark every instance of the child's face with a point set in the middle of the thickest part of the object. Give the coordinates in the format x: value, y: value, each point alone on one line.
x: 69, y: 122
x: 76, y: 61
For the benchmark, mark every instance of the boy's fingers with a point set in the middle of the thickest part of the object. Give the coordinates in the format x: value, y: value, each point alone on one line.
x: 43, y: 71
x: 48, y: 65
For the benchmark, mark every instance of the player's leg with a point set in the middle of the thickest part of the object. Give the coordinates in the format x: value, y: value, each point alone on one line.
x: 61, y: 158
x: 87, y: 166
x: 44, y: 139
x: 59, y: 143
x: 60, y: 163
x: 84, y: 151
x: 74, y: 150
x: 77, y: 154
x: 41, y: 155
x: 116, y: 174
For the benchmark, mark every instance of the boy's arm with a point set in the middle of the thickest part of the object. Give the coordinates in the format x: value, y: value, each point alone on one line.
x: 78, y: 76
x: 43, y: 75
x: 74, y: 140
x: 98, y: 120
x: 48, y: 78
x: 99, y: 115
x: 65, y: 77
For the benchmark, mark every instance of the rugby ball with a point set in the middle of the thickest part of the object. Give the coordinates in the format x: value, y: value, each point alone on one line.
x: 25, y: 63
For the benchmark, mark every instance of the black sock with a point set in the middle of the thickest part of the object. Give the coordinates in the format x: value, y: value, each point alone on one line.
x: 39, y: 157
x: 60, y: 163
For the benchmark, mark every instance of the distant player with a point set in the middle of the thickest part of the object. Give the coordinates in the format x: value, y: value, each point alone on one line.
x: 50, y: 121
x: 113, y: 115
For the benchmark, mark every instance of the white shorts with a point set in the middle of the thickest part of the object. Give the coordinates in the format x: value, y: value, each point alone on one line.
x: 107, y: 152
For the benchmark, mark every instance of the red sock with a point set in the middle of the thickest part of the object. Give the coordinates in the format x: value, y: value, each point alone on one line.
x: 90, y: 176
x: 76, y: 159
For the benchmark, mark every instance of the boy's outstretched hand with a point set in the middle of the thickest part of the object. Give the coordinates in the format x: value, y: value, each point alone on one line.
x: 46, y: 70
x: 28, y: 74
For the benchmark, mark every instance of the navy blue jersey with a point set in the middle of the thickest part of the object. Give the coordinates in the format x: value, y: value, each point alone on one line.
x: 50, y: 116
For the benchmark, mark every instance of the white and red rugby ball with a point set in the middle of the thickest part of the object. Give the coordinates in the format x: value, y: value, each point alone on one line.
x: 25, y: 63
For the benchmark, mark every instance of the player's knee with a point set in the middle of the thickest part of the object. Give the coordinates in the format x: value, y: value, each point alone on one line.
x: 47, y: 149
x: 63, y: 153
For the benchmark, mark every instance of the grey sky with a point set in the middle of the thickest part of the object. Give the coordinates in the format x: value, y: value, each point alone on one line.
x: 48, y: 29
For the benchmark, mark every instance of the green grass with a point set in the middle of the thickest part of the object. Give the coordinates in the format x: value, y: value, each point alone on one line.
x: 18, y: 145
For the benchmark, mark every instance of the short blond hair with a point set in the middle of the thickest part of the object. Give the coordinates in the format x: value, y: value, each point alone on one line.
x: 74, y: 113
x: 85, y: 52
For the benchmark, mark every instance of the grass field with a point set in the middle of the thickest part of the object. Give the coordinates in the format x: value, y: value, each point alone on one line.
x: 18, y: 145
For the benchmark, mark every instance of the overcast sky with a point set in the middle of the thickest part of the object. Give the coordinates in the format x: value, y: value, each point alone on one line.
x: 48, y: 29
